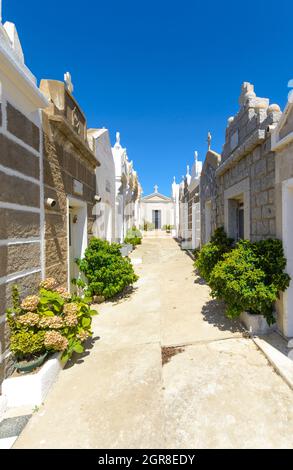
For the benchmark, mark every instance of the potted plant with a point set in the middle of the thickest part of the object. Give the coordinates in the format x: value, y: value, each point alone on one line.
x: 133, y: 237
x: 51, y: 321
x: 148, y: 226
x: 249, y: 279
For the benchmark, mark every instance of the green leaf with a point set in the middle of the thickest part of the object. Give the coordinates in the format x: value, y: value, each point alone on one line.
x: 93, y: 312
x: 86, y: 322
x: 78, y: 348
x: 65, y: 356
x: 48, y: 313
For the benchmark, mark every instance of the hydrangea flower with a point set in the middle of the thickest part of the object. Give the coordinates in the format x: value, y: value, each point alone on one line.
x: 54, y: 340
x: 30, y: 303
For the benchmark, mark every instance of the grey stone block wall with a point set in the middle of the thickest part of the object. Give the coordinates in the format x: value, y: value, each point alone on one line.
x: 20, y: 253
x: 209, y: 191
x: 250, y: 156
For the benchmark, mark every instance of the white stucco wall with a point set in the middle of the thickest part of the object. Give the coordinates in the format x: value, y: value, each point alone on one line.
x: 282, y: 144
x: 175, y: 202
x: 156, y: 202
x: 104, y: 226
x: 127, y: 191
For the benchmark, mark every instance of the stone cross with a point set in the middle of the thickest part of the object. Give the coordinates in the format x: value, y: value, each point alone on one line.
x: 209, y: 140
x: 156, y: 187
x: 68, y: 81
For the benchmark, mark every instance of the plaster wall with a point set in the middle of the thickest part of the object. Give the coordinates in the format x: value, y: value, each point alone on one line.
x: 166, y: 208
x: 104, y: 226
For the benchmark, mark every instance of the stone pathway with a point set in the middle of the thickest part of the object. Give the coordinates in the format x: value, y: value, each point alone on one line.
x: 216, y: 391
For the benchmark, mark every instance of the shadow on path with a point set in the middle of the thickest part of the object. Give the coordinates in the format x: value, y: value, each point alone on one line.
x: 198, y: 279
x: 214, y: 313
x: 77, y: 359
x: 126, y: 294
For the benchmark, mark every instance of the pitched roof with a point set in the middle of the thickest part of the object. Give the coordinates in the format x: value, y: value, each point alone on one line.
x: 158, y: 196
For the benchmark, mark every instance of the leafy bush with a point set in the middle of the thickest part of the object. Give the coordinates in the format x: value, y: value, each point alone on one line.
x: 167, y: 227
x: 212, y: 252
x: 250, y: 277
x: 54, y: 320
x: 148, y: 226
x: 107, y: 272
x: 196, y: 253
x: 25, y: 344
x: 133, y: 236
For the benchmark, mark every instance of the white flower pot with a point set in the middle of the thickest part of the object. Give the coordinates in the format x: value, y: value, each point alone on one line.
x: 256, y: 324
x: 186, y: 245
x: 126, y: 249
x: 31, y: 389
x: 3, y: 406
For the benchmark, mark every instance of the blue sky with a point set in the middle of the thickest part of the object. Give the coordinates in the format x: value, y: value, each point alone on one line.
x: 163, y: 73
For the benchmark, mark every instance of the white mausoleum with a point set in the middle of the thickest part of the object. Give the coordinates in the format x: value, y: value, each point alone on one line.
x: 157, y: 209
x: 104, y: 226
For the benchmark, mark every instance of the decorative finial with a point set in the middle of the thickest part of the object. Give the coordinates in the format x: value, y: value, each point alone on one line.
x: 156, y: 187
x: 209, y: 140
x: 196, y: 155
x: 174, y: 179
x: 118, y: 138
x: 68, y: 81
x: 187, y: 170
x: 247, y: 93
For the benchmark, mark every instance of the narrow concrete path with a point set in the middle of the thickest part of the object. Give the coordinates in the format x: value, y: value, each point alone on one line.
x: 217, y: 391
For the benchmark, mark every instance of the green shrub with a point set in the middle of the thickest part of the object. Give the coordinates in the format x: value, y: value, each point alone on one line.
x: 133, y: 236
x: 273, y: 262
x: 26, y: 344
x: 148, y: 226
x: 134, y: 241
x: 54, y: 320
x: 196, y: 253
x: 167, y: 227
x: 250, y: 277
x: 212, y: 252
x: 107, y: 272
